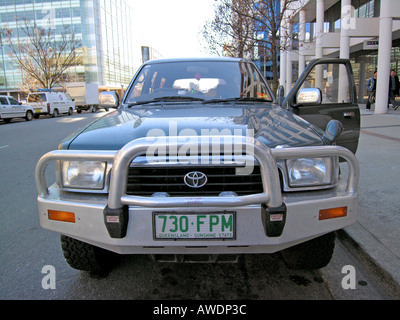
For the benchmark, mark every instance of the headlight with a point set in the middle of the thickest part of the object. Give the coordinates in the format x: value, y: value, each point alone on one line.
x: 306, y: 172
x: 83, y: 174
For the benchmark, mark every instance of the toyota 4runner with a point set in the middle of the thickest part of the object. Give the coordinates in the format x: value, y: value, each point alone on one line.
x: 200, y: 159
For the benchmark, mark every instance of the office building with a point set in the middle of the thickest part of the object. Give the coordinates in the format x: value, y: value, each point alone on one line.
x: 365, y: 31
x: 104, y: 28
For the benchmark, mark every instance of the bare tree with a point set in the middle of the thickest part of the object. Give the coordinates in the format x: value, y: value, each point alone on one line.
x: 42, y: 54
x: 247, y: 24
x: 231, y: 31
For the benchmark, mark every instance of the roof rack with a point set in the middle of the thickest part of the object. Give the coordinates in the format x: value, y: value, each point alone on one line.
x: 45, y: 90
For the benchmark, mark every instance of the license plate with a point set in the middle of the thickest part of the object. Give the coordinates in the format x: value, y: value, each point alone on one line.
x: 37, y: 110
x: 198, y: 226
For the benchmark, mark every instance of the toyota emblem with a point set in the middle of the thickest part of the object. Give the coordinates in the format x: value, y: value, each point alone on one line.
x: 195, y: 179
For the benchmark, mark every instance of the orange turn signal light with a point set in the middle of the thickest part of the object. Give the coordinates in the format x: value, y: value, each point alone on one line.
x: 61, y: 216
x: 332, y: 213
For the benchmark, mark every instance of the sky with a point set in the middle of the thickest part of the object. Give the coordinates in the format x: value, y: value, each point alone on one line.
x: 172, y: 27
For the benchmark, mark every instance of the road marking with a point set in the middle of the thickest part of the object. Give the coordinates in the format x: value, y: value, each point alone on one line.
x: 66, y: 120
x: 380, y: 135
x: 2, y: 147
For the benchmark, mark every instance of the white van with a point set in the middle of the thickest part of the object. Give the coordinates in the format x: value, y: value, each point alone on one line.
x: 51, y: 102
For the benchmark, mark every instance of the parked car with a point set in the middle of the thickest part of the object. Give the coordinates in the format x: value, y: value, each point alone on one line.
x: 200, y: 160
x: 10, y: 108
x: 49, y: 102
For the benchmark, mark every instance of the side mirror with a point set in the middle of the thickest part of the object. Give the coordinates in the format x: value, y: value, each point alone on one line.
x: 108, y: 99
x: 333, y: 130
x: 309, y: 96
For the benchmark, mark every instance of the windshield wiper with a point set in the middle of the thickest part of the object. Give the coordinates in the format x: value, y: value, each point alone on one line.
x: 235, y: 100
x: 167, y: 98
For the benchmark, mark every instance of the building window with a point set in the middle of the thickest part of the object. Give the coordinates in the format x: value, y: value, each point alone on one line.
x: 365, y: 10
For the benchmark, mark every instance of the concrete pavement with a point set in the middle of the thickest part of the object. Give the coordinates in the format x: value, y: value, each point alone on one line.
x: 377, y: 231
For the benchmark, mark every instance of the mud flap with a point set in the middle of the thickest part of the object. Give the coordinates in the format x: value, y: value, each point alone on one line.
x: 273, y: 220
x: 116, y: 221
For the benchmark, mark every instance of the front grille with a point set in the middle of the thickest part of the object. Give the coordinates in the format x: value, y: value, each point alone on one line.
x: 147, y: 180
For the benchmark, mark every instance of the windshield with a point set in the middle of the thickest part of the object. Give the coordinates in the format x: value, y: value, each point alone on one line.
x: 198, y: 80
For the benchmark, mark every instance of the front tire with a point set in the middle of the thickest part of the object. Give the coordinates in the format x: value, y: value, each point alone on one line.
x: 313, y: 254
x: 86, y: 257
x: 29, y: 116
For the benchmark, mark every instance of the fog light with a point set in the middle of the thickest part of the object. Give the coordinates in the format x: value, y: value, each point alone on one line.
x: 228, y: 194
x: 332, y: 213
x: 160, y: 195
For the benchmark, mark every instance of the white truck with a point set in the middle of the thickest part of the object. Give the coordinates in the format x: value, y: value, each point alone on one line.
x: 85, y: 95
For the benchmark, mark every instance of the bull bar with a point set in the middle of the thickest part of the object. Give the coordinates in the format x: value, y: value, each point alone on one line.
x: 266, y: 157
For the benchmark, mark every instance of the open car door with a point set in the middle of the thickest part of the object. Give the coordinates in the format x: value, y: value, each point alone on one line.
x: 326, y: 91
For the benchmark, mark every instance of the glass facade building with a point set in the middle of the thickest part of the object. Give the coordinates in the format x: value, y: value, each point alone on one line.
x: 365, y: 31
x: 103, y: 28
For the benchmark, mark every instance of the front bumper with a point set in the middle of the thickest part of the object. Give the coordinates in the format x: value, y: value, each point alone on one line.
x: 300, y: 223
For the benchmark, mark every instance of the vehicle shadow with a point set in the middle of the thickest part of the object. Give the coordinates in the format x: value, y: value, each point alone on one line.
x: 253, y: 277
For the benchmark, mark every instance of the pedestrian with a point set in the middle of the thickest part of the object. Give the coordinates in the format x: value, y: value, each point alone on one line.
x: 393, y: 89
x: 371, y: 87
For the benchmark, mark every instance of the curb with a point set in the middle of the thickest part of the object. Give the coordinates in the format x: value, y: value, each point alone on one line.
x: 375, y: 258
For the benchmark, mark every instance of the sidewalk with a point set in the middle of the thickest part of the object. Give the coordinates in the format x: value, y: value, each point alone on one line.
x: 377, y: 232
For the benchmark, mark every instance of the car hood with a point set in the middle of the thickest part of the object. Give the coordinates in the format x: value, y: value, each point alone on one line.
x: 271, y: 125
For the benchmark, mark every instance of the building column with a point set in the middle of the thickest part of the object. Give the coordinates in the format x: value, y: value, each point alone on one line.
x: 319, y: 53
x: 282, y: 69
x: 319, y: 29
x: 384, y: 51
x: 289, y: 64
x: 346, y: 16
x: 283, y: 53
x: 302, y: 40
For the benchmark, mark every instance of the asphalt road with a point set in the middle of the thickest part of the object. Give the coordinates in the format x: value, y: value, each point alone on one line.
x: 25, y: 248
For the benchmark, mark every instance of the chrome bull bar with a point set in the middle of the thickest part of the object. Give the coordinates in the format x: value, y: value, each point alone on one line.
x: 266, y: 157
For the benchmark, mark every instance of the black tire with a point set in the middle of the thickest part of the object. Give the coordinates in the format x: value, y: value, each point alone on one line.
x: 29, y: 115
x: 86, y: 257
x: 55, y: 113
x: 36, y: 116
x: 313, y: 254
x: 70, y: 111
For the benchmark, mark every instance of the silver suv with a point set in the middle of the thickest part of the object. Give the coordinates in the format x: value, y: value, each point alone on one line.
x: 10, y: 108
